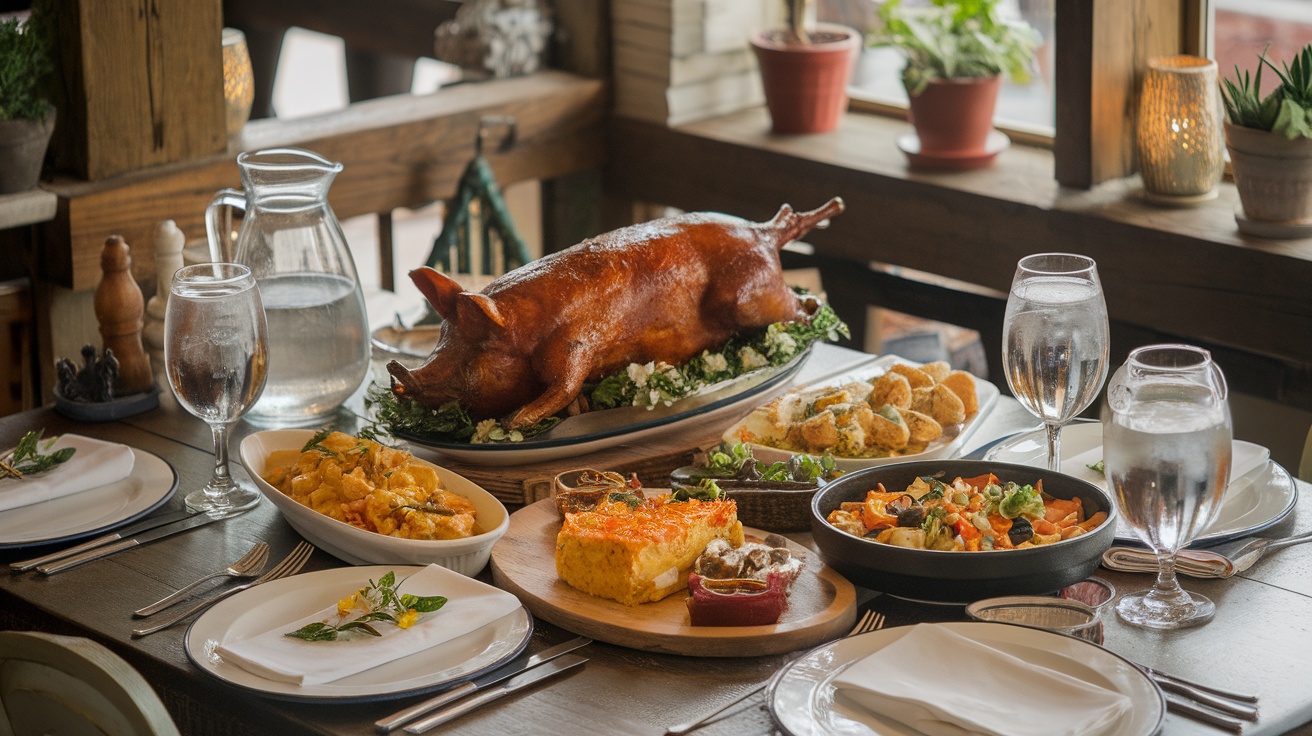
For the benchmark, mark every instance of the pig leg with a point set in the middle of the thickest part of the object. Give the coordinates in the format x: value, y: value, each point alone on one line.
x: 568, y: 367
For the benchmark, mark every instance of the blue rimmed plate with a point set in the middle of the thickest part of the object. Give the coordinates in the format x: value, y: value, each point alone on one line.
x: 96, y: 511
x: 248, y: 613
x: 1260, y: 495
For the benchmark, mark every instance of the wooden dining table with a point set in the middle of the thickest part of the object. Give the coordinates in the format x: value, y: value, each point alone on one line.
x: 1260, y: 640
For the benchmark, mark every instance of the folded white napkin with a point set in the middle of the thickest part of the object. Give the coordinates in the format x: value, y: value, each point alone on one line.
x: 94, y: 464
x: 941, y: 683
x: 274, y: 656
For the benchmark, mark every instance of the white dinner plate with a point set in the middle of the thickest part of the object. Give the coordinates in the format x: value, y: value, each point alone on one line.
x: 94, y: 511
x: 946, y: 446
x: 599, y: 430
x: 1261, y: 493
x: 804, y: 701
x: 250, y: 612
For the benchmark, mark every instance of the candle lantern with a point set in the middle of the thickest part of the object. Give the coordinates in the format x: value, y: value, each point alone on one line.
x: 1179, y: 141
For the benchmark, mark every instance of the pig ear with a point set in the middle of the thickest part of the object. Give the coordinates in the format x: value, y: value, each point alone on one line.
x: 438, y: 288
x: 485, y: 306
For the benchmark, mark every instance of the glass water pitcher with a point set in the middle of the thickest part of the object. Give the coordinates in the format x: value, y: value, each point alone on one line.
x: 294, y: 246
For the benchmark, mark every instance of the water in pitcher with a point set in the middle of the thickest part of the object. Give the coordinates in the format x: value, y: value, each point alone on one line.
x: 318, y: 347
x: 1168, y: 460
x: 1056, y: 345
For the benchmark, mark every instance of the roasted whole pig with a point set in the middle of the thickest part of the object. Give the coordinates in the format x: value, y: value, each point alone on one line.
x: 663, y: 290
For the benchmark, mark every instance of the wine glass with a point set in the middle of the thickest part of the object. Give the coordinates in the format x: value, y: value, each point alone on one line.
x: 215, y: 353
x: 1166, y: 450
x: 1054, y: 347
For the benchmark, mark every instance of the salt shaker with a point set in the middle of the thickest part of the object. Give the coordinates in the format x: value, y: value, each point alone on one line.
x: 169, y: 242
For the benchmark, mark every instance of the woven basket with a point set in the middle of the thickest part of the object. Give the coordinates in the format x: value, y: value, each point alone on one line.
x: 778, y: 507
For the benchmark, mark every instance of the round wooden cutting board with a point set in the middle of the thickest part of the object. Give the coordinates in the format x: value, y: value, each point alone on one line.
x: 822, y: 605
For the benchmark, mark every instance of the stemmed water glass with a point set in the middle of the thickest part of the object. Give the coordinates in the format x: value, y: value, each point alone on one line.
x: 215, y: 353
x: 1166, y: 450
x: 1054, y: 347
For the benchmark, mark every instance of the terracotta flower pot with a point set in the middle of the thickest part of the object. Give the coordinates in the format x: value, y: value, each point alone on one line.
x: 22, y: 151
x: 1274, y: 177
x: 955, y: 116
x: 806, y: 84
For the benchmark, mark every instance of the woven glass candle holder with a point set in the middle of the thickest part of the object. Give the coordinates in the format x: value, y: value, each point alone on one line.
x: 1179, y: 138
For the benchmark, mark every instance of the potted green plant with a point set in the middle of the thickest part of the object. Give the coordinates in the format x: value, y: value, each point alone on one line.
x: 805, y: 71
x: 26, y: 116
x: 1270, y: 144
x: 956, y: 53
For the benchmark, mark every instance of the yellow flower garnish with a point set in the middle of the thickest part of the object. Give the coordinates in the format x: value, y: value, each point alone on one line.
x: 407, y: 619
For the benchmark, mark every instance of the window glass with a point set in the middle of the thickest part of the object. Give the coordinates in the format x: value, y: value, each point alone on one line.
x: 877, y: 76
x: 1244, y: 27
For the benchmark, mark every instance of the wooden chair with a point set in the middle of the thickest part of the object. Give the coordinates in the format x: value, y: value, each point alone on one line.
x: 72, y: 686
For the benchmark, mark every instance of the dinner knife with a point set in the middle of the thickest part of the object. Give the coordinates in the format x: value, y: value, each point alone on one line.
x: 195, y: 521
x: 144, y: 525
x: 396, y: 720
x: 478, y: 701
x: 1203, y: 715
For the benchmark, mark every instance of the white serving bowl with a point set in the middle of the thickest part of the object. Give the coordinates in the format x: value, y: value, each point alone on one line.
x: 361, y: 547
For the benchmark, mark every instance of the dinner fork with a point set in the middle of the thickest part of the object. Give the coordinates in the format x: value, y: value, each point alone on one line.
x: 869, y: 621
x: 250, y: 565
x: 290, y: 565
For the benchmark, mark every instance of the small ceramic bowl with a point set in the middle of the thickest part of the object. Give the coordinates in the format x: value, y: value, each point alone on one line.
x: 362, y: 547
x: 582, y: 489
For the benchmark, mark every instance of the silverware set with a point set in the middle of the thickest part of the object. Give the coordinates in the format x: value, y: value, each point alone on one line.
x: 1224, y: 709
x: 489, y: 687
x: 290, y: 565
x: 250, y: 565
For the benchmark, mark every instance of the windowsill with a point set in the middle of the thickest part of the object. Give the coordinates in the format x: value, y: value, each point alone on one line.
x: 1185, y: 271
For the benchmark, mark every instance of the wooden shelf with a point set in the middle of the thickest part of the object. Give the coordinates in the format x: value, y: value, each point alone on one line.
x: 1178, y: 272
x: 27, y: 208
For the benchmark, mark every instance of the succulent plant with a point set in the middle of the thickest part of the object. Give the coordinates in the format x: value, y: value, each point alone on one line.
x: 1287, y: 110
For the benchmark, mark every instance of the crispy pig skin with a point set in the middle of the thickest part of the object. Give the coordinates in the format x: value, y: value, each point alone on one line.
x: 664, y: 290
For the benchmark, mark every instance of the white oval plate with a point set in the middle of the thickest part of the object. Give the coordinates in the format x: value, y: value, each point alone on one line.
x: 357, y: 546
x: 803, y: 700
x: 94, y: 511
x: 598, y: 430
x: 1260, y: 494
x: 946, y: 446
x: 249, y: 612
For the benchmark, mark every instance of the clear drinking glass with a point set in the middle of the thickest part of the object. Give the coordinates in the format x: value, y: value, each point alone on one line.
x: 1166, y: 449
x: 1054, y: 345
x: 216, y: 354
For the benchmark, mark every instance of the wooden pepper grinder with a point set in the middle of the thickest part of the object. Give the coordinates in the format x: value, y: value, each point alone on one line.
x: 119, y: 307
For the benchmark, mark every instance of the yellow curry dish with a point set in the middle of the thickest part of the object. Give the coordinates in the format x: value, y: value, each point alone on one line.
x: 969, y: 514
x: 371, y: 486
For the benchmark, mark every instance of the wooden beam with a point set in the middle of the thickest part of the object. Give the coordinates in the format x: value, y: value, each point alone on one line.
x: 401, y: 151
x: 1102, y: 50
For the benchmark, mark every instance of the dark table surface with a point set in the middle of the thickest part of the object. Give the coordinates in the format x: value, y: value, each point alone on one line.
x: 1261, y: 639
